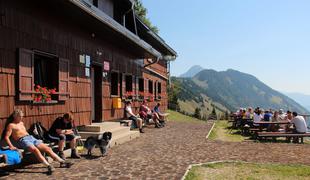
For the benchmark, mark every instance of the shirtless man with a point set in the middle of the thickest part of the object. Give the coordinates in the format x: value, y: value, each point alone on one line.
x: 17, y: 130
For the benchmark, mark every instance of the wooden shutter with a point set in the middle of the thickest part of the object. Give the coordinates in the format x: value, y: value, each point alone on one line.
x: 137, y: 85
x: 26, y: 75
x: 63, y: 79
x: 155, y: 89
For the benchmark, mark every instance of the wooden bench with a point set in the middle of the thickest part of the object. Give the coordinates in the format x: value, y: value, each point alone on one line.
x: 261, y: 135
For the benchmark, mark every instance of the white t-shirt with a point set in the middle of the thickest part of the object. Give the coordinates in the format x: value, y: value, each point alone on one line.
x: 282, y: 117
x: 257, y: 118
x: 128, y: 111
x: 300, y: 124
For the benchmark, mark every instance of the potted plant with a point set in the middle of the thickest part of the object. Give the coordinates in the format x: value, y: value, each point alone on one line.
x: 129, y: 95
x: 43, y: 94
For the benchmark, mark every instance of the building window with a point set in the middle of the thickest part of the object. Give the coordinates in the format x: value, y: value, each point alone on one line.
x: 128, y: 81
x: 95, y: 3
x: 159, y: 88
x: 45, y: 71
x: 150, y: 86
x: 49, y: 72
x: 114, y: 83
x: 141, y: 85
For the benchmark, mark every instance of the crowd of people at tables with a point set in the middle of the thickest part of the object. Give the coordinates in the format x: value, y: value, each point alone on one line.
x: 296, y: 123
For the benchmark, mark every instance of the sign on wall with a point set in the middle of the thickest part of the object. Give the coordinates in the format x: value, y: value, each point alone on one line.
x: 106, y: 66
x: 85, y: 59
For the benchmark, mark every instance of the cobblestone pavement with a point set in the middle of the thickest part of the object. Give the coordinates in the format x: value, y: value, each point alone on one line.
x: 166, y: 153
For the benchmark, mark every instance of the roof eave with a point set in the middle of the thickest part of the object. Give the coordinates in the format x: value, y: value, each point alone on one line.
x: 158, y: 38
x: 110, y: 22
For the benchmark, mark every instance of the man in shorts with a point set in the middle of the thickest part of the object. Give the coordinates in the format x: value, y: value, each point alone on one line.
x: 16, y: 129
x: 130, y: 115
x: 61, y: 131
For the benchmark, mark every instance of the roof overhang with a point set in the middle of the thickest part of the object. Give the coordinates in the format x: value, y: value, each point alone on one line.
x: 156, y: 41
x: 115, y: 26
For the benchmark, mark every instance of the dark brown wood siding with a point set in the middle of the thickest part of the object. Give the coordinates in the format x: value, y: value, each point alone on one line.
x: 33, y: 26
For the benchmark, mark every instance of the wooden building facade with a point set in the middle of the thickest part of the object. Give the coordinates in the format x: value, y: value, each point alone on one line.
x: 88, y: 51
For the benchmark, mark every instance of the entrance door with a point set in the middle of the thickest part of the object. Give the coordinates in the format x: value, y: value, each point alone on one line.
x: 96, y: 78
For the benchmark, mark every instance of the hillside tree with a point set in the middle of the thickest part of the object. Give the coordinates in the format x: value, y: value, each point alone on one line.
x: 141, y: 11
x: 197, y: 113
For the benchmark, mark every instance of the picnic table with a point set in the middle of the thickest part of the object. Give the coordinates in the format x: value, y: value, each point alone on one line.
x: 240, y: 122
x: 262, y: 124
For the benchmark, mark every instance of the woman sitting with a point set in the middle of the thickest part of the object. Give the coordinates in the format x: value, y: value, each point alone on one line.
x: 146, y: 114
x: 158, y: 116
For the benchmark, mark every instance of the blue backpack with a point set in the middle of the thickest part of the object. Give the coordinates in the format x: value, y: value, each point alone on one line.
x: 13, y: 156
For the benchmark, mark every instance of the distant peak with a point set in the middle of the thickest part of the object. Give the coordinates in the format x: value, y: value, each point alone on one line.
x: 192, y: 71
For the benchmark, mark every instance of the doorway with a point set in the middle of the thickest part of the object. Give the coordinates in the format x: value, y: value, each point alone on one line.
x: 96, y: 98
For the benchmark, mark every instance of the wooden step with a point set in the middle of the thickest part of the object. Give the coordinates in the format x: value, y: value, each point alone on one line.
x: 99, y: 127
x: 115, y: 131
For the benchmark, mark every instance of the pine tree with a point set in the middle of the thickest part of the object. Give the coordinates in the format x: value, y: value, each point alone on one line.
x: 197, y: 113
x: 141, y: 11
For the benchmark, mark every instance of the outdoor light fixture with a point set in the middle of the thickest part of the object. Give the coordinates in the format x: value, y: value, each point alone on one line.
x: 169, y: 58
x: 98, y: 52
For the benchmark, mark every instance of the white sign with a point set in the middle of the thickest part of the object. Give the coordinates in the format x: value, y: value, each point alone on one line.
x: 87, y: 72
x: 82, y: 59
x: 87, y: 59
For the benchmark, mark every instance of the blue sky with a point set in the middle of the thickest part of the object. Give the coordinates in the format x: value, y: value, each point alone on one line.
x: 269, y: 39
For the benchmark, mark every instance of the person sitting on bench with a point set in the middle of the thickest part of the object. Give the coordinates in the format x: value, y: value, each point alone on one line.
x: 130, y: 115
x: 61, y: 131
x: 158, y: 115
x: 146, y: 113
x: 17, y: 130
x: 299, y: 123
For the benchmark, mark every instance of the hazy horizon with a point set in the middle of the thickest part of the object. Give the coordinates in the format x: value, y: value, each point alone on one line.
x: 267, y: 39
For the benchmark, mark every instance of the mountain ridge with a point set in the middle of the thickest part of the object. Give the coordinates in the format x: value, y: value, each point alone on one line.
x: 234, y: 89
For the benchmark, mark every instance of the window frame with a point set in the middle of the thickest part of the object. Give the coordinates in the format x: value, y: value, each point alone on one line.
x: 117, y: 84
x: 26, y: 92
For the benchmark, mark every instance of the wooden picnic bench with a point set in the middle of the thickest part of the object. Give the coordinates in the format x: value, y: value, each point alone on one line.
x: 261, y: 135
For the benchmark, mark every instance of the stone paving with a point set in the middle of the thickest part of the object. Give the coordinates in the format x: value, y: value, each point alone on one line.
x: 166, y: 153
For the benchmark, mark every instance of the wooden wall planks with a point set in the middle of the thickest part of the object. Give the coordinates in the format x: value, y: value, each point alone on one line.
x: 55, y: 34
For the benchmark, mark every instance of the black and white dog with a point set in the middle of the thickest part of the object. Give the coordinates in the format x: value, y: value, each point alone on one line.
x: 102, y: 141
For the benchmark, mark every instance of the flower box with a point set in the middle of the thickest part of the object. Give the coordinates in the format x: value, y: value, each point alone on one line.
x: 43, y: 94
x: 47, y: 102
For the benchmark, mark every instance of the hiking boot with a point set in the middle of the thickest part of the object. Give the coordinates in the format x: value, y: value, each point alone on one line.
x: 62, y: 155
x: 65, y: 164
x: 74, y: 154
x: 3, y: 173
x: 141, y: 130
x: 162, y: 123
x: 157, y: 125
x: 50, y: 170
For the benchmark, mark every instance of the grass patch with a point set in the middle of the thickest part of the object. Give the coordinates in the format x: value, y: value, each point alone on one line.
x: 222, y: 132
x: 238, y: 170
x: 176, y: 116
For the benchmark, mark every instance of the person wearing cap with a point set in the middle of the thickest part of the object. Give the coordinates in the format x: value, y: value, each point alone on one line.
x: 281, y: 115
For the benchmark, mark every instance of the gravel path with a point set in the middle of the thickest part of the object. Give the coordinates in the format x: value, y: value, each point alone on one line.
x: 166, y: 153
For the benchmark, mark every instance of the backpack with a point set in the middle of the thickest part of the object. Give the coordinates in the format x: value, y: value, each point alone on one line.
x: 39, y: 132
